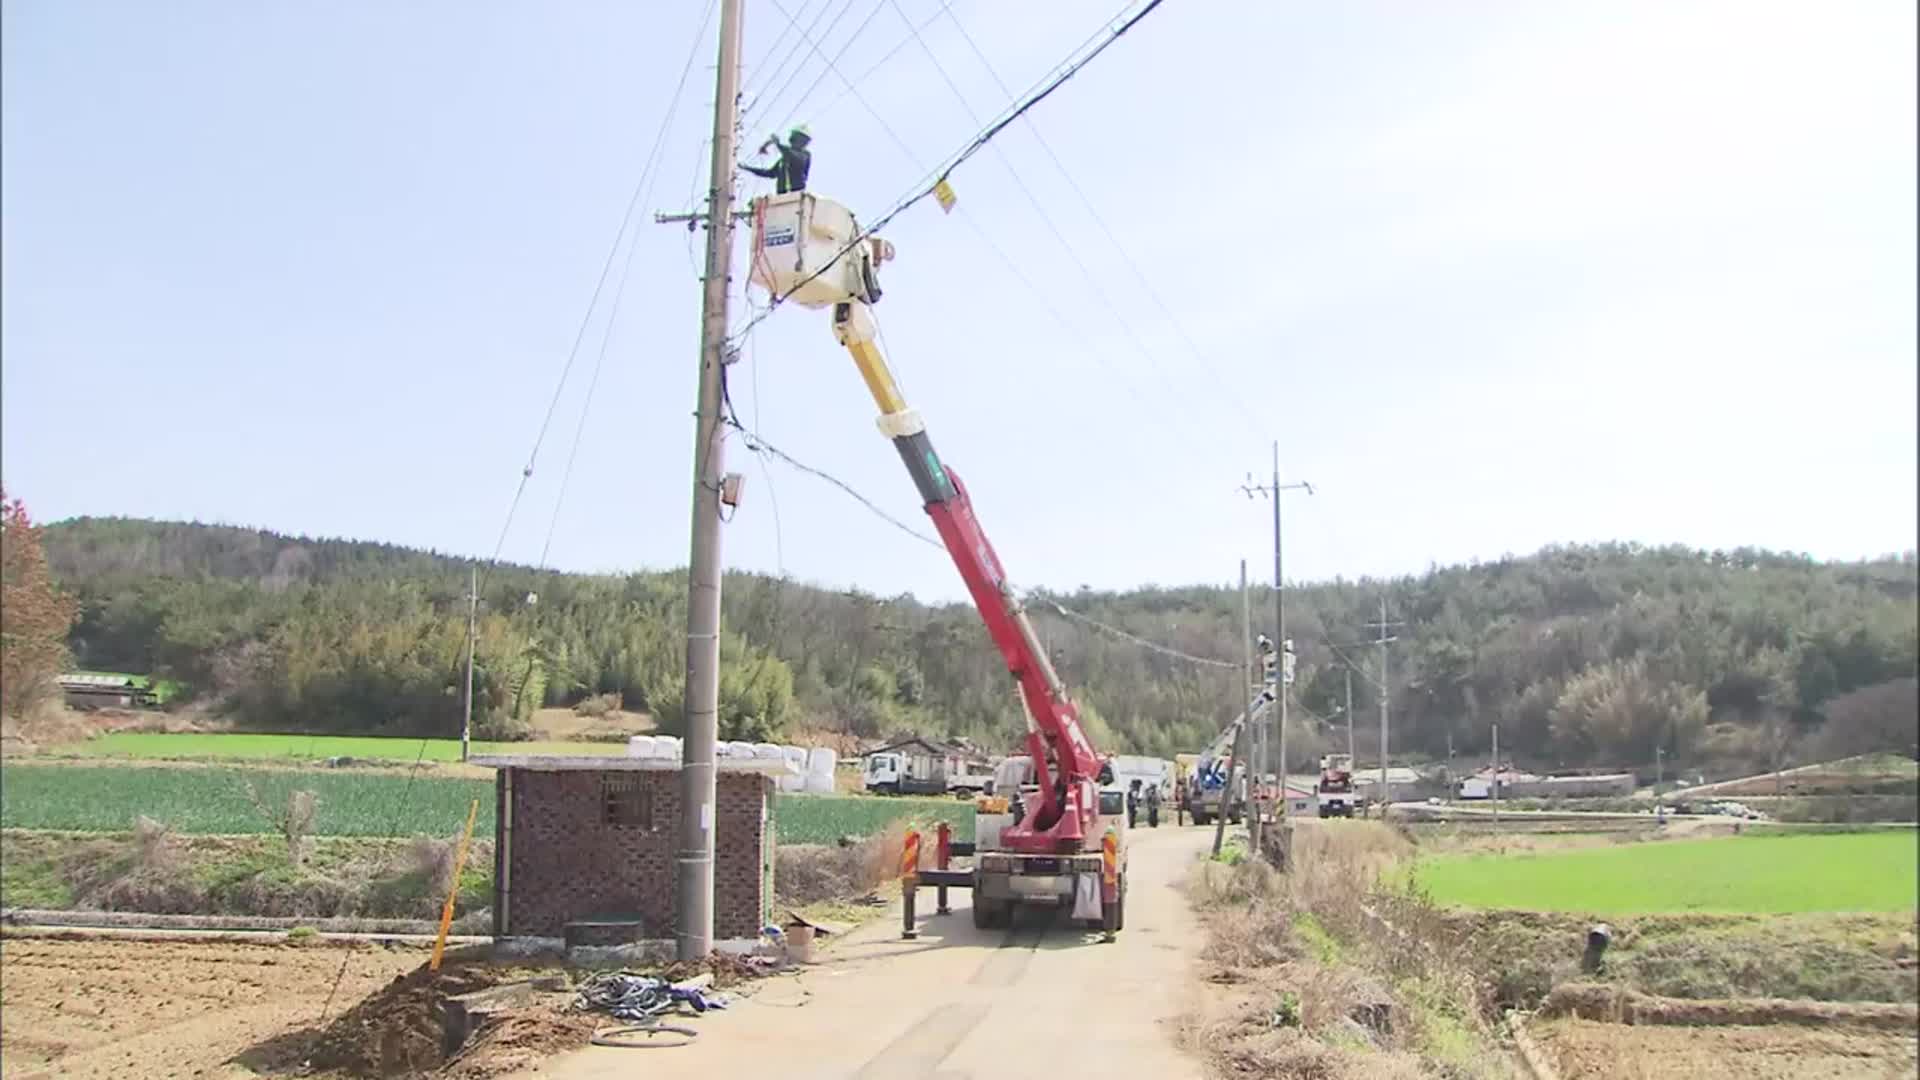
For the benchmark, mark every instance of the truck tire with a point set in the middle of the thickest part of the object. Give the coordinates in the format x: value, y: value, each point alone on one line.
x: 985, y: 914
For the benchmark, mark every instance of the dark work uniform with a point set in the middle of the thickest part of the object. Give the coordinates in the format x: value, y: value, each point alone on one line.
x: 790, y: 172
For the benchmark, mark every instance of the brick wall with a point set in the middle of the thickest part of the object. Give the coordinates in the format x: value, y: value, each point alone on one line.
x: 565, y: 862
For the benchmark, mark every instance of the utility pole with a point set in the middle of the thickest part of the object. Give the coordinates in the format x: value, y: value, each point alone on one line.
x: 1349, y: 670
x: 473, y: 612
x: 1382, y: 625
x: 1496, y: 774
x: 694, y: 929
x: 1280, y: 642
x: 1246, y: 634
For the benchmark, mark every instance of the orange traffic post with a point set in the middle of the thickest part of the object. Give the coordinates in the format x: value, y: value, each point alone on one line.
x: 1109, y: 885
x: 453, y: 890
x: 909, y: 883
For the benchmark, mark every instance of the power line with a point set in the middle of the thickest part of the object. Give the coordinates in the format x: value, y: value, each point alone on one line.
x: 832, y: 64
x: 774, y: 47
x: 1138, y: 640
x: 792, y: 25
x: 760, y: 446
x: 1093, y: 212
x: 1073, y: 254
x: 936, y: 178
x: 878, y: 64
x: 649, y: 178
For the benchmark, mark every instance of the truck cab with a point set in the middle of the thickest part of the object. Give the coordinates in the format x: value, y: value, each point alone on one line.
x: 893, y: 773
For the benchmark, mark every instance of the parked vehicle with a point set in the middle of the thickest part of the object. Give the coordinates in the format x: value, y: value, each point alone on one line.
x: 890, y: 773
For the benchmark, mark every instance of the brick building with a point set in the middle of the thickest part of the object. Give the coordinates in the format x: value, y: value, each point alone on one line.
x: 593, y: 838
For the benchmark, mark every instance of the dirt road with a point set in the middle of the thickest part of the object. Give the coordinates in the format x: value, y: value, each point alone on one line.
x: 963, y: 1003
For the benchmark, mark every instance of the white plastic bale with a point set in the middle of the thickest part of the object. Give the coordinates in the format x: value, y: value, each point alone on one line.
x: 735, y: 749
x: 667, y: 747
x: 768, y: 750
x: 640, y: 746
x: 821, y: 761
x: 817, y: 784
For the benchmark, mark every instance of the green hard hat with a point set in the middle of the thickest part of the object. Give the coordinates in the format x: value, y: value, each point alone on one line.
x: 799, y: 134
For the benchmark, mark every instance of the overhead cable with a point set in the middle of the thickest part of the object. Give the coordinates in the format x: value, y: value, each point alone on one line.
x: 649, y: 178
x: 1112, y: 238
x: 926, y: 187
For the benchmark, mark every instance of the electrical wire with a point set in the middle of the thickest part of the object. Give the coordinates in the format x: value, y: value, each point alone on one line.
x: 1137, y: 639
x: 760, y: 446
x: 761, y: 102
x: 928, y: 184
x: 1030, y: 287
x: 878, y: 64
x: 753, y: 69
x: 526, y: 473
x: 793, y: 112
x: 1073, y: 253
x: 1112, y: 238
x: 649, y: 179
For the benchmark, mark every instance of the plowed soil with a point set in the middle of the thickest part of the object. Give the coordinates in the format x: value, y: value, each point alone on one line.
x: 1591, y: 1050
x: 100, y: 1008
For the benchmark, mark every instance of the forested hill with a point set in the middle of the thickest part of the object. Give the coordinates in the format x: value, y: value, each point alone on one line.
x: 1586, y: 656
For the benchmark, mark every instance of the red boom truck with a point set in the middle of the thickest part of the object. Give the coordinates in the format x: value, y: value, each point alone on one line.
x: 810, y: 251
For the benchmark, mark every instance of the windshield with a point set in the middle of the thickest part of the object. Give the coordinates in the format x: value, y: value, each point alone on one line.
x: 1113, y: 803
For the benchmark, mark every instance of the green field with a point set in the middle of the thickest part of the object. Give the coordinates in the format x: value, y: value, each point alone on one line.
x: 107, y: 798
x: 1869, y: 871
x: 163, y: 746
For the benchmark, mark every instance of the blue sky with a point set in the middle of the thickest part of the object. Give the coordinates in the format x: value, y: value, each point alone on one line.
x: 1495, y: 275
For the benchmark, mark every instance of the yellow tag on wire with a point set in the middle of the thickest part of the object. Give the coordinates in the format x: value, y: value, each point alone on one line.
x: 943, y: 193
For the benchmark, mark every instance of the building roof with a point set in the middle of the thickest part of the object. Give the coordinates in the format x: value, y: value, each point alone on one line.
x: 935, y: 745
x: 619, y: 763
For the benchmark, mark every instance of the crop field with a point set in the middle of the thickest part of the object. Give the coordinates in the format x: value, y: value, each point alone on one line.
x: 197, y: 746
x: 1867, y: 871
x: 107, y: 798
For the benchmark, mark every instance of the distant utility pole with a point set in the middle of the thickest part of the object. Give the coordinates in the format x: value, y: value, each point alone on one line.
x: 1381, y: 625
x: 1349, y: 670
x: 1280, y: 642
x: 473, y: 613
x: 1246, y: 634
x: 694, y: 929
x: 1496, y: 774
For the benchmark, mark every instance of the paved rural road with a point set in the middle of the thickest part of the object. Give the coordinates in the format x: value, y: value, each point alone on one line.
x: 963, y: 1004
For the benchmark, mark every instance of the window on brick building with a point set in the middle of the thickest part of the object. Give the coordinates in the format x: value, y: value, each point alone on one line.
x: 624, y: 801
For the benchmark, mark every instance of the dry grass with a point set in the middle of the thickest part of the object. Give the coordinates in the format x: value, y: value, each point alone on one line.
x: 1326, y: 973
x: 806, y: 874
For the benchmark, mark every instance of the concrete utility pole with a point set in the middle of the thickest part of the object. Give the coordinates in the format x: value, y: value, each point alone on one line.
x: 694, y: 932
x: 1496, y: 774
x: 473, y: 613
x: 1273, y: 491
x: 1349, y: 669
x: 1246, y: 634
x: 1382, y: 625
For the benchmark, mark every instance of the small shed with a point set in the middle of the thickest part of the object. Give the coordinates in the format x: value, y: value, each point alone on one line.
x: 591, y: 841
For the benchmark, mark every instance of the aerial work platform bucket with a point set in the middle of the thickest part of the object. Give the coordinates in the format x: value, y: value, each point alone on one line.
x: 809, y: 250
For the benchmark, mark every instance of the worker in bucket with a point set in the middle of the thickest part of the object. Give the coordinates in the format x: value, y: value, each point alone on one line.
x: 790, y: 172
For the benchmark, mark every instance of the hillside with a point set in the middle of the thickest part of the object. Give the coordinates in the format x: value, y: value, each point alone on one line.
x: 1586, y: 656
